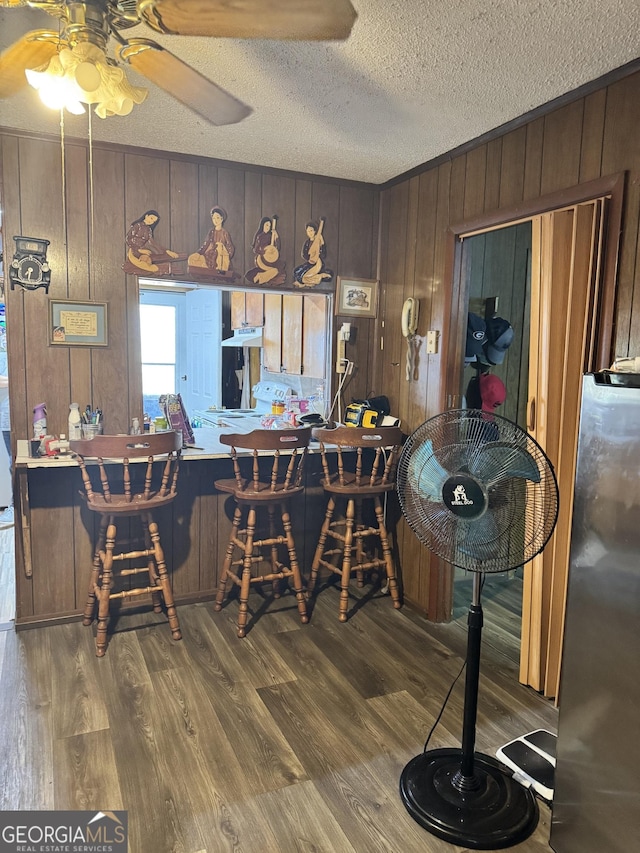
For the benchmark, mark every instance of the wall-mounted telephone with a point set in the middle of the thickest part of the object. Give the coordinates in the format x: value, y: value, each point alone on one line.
x: 410, y: 311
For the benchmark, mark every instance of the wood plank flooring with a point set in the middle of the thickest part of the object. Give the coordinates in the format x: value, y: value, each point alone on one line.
x: 292, y: 739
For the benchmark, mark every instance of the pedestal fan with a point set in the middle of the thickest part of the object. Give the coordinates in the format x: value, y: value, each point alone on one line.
x: 479, y: 492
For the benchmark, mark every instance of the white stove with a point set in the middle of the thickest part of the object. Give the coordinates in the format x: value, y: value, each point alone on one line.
x: 264, y: 392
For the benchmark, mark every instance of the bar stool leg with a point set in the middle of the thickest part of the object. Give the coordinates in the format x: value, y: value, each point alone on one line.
x: 104, y: 590
x: 293, y: 564
x: 346, y: 561
x: 156, y: 596
x: 317, y: 557
x: 163, y: 577
x: 245, y: 583
x: 274, y: 550
x: 359, y: 545
x: 94, y: 581
x: 386, y: 551
x: 228, y: 559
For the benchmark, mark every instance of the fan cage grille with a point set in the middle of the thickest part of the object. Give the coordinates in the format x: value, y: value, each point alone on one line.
x: 516, y: 477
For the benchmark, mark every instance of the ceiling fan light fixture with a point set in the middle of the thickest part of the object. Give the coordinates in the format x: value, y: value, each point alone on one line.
x: 82, y: 75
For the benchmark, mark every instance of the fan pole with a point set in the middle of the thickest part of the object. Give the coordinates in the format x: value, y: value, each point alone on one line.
x: 467, y: 781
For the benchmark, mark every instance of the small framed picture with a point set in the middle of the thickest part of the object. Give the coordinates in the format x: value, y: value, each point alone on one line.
x: 77, y: 323
x: 357, y: 297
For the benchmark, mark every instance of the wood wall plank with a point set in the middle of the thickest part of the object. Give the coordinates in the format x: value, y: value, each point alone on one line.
x: 183, y: 209
x: 42, y: 216
x: 560, y: 153
x: 533, y: 159
x: 475, y: 181
x: 512, y: 167
x: 592, y: 135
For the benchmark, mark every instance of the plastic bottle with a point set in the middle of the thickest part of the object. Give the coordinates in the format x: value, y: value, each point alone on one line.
x: 135, y: 426
x: 75, y: 428
x: 39, y: 421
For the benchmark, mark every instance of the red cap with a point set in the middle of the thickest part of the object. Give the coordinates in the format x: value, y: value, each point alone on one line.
x: 492, y: 391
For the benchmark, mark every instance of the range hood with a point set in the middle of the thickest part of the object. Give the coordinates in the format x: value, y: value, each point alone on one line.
x: 248, y: 337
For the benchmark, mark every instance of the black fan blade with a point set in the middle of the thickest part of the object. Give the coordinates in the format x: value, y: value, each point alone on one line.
x: 497, y: 461
x: 31, y: 51
x: 183, y: 82
x: 303, y: 20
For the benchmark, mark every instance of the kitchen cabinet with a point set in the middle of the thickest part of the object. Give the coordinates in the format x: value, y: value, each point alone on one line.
x: 294, y: 337
x: 247, y: 309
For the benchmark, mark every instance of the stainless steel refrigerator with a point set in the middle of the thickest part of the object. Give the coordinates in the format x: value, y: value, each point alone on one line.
x: 596, y: 803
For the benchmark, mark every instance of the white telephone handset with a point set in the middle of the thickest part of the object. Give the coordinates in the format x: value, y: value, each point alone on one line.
x: 410, y: 311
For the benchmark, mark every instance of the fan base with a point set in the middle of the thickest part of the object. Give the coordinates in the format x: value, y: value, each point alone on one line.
x: 487, y: 811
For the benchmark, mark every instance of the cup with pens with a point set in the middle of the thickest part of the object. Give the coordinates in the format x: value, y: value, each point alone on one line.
x: 91, y: 422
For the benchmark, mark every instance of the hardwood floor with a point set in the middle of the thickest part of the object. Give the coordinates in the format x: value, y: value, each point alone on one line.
x: 292, y: 739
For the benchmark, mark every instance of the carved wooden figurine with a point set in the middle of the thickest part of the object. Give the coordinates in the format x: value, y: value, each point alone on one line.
x: 313, y: 271
x: 270, y: 268
x: 144, y: 253
x: 213, y: 258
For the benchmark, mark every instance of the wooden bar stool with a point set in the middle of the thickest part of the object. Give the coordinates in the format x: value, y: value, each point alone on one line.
x: 122, y: 490
x: 373, y: 475
x: 267, y: 478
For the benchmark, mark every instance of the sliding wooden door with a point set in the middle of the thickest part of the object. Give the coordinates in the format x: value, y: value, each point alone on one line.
x: 566, y: 269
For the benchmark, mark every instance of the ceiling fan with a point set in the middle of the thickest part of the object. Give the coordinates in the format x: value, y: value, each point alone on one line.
x: 78, y: 51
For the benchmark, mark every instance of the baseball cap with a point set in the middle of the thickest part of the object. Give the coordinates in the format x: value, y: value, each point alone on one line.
x: 492, y: 391
x: 499, y: 338
x: 476, y: 337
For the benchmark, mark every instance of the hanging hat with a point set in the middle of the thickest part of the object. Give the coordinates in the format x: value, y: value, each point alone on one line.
x: 476, y: 338
x: 492, y: 391
x: 499, y: 339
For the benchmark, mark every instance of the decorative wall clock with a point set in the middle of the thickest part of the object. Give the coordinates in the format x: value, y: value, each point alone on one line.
x: 29, y: 268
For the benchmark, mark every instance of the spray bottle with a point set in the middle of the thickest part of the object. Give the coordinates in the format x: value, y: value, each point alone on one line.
x: 40, y: 421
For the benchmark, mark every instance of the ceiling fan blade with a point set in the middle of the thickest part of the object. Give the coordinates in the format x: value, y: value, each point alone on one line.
x: 30, y: 51
x: 183, y: 82
x: 303, y: 20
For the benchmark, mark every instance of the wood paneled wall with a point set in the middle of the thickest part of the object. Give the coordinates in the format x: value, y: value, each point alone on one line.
x: 595, y: 136
x: 84, y: 207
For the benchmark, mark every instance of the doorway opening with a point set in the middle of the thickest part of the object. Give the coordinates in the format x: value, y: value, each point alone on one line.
x: 567, y: 323
x: 181, y: 336
x: 497, y: 266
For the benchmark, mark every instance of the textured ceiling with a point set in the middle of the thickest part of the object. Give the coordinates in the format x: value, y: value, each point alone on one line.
x: 415, y: 79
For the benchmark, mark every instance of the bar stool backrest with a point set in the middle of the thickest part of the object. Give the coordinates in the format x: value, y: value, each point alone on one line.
x: 286, y: 471
x: 135, y: 480
x: 375, y: 473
